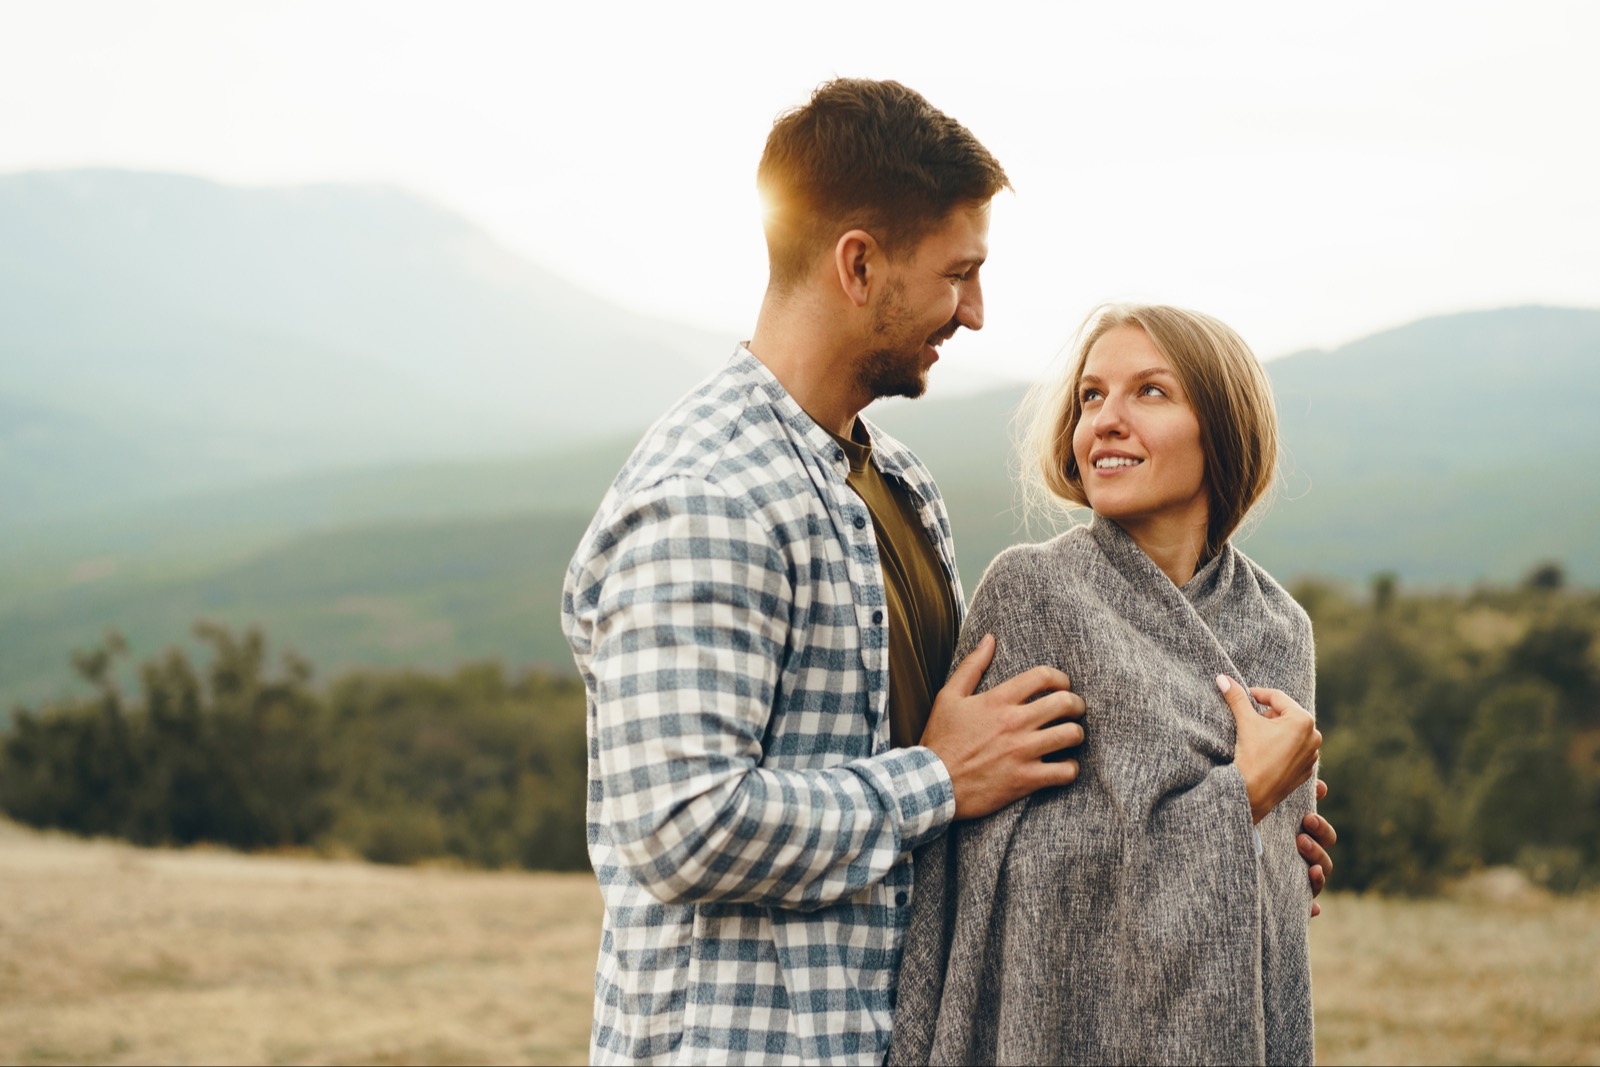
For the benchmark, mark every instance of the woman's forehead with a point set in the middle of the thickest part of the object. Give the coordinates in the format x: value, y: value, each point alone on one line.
x: 1125, y: 350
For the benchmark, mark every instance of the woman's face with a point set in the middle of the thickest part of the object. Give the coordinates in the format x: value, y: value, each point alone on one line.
x: 1138, y: 440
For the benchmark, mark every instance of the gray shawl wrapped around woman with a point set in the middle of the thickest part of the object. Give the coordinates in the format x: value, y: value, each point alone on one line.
x: 1128, y: 917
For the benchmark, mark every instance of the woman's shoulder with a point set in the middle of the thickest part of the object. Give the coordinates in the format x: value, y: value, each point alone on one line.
x: 1027, y: 598
x: 1275, y: 599
x: 1043, y: 564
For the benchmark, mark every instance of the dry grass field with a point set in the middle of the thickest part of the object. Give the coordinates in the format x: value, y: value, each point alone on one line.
x: 111, y: 954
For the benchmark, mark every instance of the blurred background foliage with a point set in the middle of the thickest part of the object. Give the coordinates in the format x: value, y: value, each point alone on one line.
x: 394, y: 766
x: 1462, y: 730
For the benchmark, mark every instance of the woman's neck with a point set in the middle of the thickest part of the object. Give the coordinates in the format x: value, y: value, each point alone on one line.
x: 1174, y: 546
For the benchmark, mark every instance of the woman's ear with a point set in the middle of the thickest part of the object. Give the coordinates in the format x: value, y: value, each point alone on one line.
x: 857, y: 260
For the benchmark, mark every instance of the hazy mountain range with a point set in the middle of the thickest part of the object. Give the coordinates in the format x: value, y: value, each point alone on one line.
x: 349, y: 416
x: 161, y: 333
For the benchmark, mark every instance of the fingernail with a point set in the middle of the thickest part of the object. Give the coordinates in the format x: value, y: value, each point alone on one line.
x: 1223, y: 683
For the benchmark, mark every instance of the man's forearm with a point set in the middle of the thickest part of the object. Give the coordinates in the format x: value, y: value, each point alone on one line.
x: 799, y: 839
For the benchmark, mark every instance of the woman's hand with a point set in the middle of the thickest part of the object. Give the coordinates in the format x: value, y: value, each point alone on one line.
x: 1277, y: 750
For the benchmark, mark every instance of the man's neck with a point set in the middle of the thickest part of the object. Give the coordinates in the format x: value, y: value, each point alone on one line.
x: 798, y: 341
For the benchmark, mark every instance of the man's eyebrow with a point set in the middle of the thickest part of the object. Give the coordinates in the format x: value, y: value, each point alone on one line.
x: 969, y: 262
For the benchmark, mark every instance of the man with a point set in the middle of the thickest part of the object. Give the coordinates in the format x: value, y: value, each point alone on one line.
x: 764, y: 609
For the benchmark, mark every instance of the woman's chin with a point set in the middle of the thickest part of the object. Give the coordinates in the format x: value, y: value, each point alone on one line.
x: 1114, y: 506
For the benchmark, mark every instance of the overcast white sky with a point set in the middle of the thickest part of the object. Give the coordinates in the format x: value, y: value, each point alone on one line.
x: 1310, y: 173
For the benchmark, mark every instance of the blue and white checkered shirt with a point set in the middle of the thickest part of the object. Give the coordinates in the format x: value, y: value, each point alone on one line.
x: 749, y: 823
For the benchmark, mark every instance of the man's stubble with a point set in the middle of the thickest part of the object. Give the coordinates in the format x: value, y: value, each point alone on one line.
x: 894, y: 368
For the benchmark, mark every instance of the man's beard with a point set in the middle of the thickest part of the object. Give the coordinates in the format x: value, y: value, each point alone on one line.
x: 895, y: 368
x: 886, y: 372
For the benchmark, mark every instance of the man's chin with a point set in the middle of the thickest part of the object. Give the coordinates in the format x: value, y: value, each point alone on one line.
x: 884, y: 375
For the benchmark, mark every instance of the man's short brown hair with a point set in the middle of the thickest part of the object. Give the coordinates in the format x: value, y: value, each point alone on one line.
x: 869, y: 155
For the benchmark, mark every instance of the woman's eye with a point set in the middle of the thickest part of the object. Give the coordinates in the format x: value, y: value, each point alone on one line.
x: 1088, y: 395
x: 1152, y: 390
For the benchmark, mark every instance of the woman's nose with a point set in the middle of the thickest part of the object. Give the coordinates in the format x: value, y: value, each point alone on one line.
x: 1110, y: 420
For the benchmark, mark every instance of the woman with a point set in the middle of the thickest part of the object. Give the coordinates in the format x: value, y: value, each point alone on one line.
x: 1155, y: 910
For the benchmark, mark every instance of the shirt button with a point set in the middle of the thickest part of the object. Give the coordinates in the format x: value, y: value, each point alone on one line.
x: 900, y: 899
x: 838, y: 455
x: 861, y: 522
x: 877, y: 617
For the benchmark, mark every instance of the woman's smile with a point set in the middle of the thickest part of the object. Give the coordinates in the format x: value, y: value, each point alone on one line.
x: 1107, y: 462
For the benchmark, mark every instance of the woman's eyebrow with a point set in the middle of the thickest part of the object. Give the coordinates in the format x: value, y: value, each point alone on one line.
x: 1138, y: 376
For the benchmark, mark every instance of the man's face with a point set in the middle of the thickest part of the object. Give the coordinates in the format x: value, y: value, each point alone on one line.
x: 928, y: 294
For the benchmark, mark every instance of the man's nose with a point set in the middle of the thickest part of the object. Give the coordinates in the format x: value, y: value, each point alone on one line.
x: 969, y: 312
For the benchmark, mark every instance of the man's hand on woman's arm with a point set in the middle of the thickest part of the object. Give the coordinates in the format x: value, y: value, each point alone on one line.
x: 993, y: 743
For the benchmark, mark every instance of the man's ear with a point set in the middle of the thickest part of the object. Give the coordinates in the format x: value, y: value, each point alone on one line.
x: 858, y: 260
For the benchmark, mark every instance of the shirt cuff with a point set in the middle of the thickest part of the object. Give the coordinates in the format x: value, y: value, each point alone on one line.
x: 920, y: 784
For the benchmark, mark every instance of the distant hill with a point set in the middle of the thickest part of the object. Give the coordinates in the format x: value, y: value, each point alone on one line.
x: 162, y: 334
x: 1450, y: 451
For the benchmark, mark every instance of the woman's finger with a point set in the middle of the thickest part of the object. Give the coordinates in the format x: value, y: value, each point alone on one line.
x: 1277, y: 702
x: 1238, y: 703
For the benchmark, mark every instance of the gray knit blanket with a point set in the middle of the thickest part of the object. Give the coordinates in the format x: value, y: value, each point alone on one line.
x: 1126, y: 918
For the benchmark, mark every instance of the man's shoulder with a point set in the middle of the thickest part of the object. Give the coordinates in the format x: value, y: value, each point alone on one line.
x: 726, y: 422
x: 737, y: 437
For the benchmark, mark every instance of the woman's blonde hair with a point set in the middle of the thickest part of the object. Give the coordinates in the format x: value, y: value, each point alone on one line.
x: 1224, y: 382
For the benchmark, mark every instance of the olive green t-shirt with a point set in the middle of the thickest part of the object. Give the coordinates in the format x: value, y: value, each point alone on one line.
x: 921, y: 606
